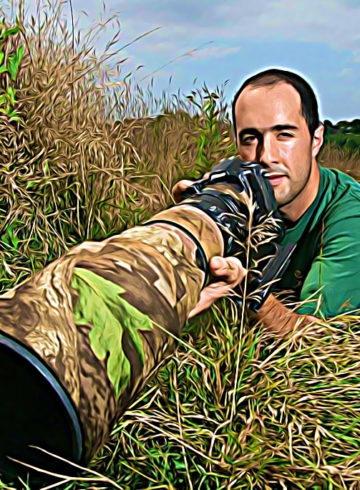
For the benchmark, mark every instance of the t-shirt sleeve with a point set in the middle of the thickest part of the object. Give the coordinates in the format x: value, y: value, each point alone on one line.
x: 332, y: 285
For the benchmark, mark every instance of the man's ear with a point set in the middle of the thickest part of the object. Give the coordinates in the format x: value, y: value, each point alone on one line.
x: 318, y: 140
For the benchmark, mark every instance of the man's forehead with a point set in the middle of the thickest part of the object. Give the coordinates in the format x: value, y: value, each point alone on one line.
x: 266, y: 106
x: 279, y: 89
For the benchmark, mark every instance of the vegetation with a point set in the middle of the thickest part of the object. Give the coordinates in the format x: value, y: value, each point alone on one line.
x: 81, y: 158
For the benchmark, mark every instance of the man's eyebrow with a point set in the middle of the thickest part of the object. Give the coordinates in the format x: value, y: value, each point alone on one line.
x: 253, y: 131
x: 282, y: 127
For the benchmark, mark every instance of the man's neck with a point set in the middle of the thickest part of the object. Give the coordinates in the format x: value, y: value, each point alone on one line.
x: 293, y: 211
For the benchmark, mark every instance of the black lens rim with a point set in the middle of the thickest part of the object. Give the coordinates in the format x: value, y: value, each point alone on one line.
x: 64, y: 397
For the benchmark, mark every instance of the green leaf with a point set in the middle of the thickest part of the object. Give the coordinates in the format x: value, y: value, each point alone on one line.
x: 10, y: 238
x: 14, y: 62
x: 13, y: 116
x: 2, y: 56
x: 4, y: 239
x: 11, y: 92
x: 9, y: 32
x: 13, y: 238
x: 3, y: 69
x: 100, y: 304
x: 30, y: 184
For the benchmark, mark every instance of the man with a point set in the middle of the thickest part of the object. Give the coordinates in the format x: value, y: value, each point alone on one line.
x: 276, y: 123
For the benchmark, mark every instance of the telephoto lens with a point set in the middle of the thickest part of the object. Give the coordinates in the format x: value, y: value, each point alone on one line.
x: 79, y: 339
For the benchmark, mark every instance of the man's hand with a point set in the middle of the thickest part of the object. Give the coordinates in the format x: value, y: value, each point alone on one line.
x: 181, y: 186
x: 228, y: 273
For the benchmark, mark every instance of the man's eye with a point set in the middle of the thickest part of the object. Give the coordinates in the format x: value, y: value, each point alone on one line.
x: 248, y: 139
x: 286, y: 135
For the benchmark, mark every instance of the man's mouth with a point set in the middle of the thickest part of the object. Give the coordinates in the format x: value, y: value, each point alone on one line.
x: 275, y: 179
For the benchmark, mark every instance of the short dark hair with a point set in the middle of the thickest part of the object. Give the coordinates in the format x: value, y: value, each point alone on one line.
x: 309, y: 105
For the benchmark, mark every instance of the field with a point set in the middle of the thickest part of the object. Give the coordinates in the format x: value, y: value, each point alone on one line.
x: 82, y: 158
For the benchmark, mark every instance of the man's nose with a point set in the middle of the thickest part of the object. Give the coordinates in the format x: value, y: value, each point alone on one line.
x: 267, y: 151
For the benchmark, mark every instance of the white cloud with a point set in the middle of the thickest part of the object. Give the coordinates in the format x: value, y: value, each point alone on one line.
x: 328, y: 21
x: 186, y: 24
x: 346, y: 72
x: 215, y: 52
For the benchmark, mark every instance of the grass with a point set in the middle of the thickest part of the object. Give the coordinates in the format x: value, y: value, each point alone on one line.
x: 86, y: 160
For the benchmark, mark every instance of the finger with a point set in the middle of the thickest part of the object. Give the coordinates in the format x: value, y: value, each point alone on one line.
x: 205, y: 301
x: 229, y: 268
x: 179, y: 188
x: 217, y: 263
x: 210, y: 294
x: 219, y: 266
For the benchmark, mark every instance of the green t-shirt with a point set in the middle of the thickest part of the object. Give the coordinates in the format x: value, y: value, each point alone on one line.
x: 325, y: 267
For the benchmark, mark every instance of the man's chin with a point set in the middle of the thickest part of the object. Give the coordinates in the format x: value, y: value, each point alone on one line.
x: 281, y: 197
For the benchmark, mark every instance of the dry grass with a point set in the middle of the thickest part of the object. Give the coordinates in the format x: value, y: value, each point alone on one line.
x: 296, y: 423
x: 71, y: 171
x: 348, y: 161
x: 86, y: 160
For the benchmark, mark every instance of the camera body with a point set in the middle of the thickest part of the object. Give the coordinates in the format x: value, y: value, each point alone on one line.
x: 238, y: 196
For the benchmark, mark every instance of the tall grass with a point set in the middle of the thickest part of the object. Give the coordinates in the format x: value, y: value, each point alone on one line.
x: 345, y: 158
x: 88, y: 158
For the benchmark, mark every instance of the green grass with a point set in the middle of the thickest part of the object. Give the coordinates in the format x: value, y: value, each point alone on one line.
x: 84, y: 162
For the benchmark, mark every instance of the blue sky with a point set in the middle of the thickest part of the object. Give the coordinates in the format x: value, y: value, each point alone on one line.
x: 216, y: 40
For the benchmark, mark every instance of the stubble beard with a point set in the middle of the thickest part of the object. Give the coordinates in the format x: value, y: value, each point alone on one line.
x: 299, y: 191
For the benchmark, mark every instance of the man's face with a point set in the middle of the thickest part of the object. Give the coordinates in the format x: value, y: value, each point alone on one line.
x: 272, y: 130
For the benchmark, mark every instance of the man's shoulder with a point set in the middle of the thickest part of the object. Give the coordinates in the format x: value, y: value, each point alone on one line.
x: 340, y: 194
x: 338, y: 182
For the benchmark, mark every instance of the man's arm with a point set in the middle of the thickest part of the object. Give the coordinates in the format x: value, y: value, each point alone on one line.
x: 274, y: 315
x: 333, y: 280
x: 280, y: 319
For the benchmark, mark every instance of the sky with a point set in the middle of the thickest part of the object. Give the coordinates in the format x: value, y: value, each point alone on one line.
x: 215, y: 41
